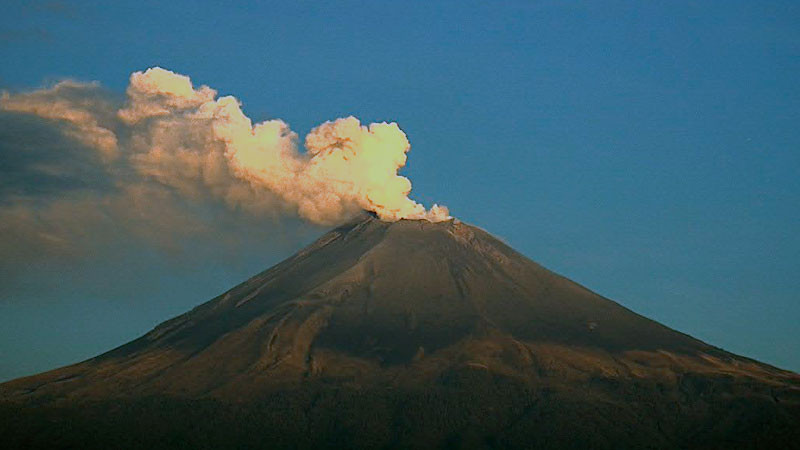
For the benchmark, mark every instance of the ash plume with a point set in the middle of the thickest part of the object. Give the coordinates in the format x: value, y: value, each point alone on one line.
x: 88, y: 175
x: 168, y: 134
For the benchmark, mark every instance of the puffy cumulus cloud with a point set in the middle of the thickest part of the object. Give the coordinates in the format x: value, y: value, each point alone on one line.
x: 361, y: 164
x: 82, y: 169
x: 159, y: 92
x: 186, y: 138
x: 183, y: 137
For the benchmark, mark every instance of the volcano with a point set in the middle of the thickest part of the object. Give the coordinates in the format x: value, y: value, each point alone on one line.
x: 409, y: 334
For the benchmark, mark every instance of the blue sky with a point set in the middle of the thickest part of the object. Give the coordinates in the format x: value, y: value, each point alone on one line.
x: 648, y: 150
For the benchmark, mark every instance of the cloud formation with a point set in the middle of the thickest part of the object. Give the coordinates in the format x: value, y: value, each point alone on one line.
x: 84, y: 170
x: 202, y: 147
x: 80, y: 106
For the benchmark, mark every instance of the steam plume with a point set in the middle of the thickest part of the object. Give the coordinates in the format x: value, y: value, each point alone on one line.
x: 200, y: 147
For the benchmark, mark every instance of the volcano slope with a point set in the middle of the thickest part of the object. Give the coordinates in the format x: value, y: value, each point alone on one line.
x: 407, y: 334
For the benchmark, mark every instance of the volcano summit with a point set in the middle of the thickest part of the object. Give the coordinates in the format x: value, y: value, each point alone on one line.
x: 407, y: 334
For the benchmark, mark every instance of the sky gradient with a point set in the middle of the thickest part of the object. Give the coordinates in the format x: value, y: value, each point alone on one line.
x: 647, y: 150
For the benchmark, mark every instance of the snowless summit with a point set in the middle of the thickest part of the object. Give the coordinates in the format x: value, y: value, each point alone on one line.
x: 413, y: 334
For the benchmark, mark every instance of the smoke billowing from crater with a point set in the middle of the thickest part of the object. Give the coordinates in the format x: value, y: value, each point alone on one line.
x: 170, y: 134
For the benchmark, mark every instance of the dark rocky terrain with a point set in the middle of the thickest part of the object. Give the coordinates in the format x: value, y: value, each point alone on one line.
x: 407, y: 335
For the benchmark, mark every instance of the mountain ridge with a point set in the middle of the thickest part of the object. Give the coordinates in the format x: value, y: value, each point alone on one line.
x: 410, y: 311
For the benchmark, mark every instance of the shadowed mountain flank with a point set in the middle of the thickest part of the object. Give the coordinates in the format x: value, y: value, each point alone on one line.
x: 415, y: 334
